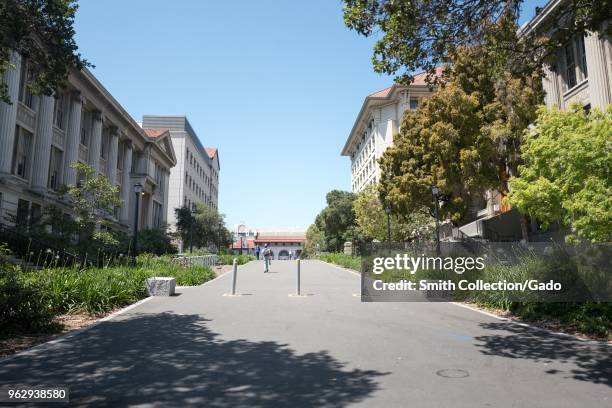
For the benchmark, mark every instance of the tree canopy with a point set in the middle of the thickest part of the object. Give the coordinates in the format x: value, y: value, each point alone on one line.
x: 566, y: 176
x: 417, y: 35
x: 205, y: 225
x: 41, y: 31
x: 337, y: 219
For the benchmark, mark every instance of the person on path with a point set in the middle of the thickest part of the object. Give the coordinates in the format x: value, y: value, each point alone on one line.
x: 267, y: 255
x: 257, y: 249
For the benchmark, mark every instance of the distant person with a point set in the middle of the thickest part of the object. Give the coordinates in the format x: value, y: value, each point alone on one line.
x: 257, y: 252
x: 267, y: 254
x: 290, y: 255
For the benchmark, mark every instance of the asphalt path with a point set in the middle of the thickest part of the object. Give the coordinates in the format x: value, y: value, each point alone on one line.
x: 266, y: 348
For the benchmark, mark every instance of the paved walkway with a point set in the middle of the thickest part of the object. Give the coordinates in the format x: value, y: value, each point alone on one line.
x: 266, y: 349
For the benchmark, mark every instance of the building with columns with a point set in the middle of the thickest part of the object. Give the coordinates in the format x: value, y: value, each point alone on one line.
x: 41, y: 136
x: 581, y: 70
x: 195, y: 178
x: 378, y: 120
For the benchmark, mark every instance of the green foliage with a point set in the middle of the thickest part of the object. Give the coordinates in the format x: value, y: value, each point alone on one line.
x: 315, y: 240
x: 566, y: 176
x: 228, y: 259
x: 341, y: 259
x: 419, y: 35
x: 155, y: 241
x: 43, y: 32
x: 206, y: 226
x: 371, y: 220
x: 336, y: 220
x: 21, y: 308
x: 464, y: 139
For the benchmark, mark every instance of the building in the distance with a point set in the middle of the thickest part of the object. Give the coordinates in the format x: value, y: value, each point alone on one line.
x: 42, y: 136
x: 284, y: 244
x: 377, y: 122
x: 195, y: 178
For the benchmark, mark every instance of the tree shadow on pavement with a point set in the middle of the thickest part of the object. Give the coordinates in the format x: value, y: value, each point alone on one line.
x: 586, y: 361
x: 175, y: 360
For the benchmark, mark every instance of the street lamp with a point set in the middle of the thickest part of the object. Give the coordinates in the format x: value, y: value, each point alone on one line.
x: 138, y: 191
x: 192, y: 213
x: 435, y: 191
x: 388, y: 211
x: 219, y: 239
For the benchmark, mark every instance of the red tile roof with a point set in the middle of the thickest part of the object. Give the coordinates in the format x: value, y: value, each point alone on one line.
x: 155, y: 132
x: 418, y: 79
x: 245, y: 244
x: 280, y: 238
x: 211, y: 151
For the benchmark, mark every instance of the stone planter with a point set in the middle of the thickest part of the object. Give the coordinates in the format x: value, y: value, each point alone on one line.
x: 161, y: 286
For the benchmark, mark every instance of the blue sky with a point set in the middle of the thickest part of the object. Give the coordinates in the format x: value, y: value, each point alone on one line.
x: 275, y: 85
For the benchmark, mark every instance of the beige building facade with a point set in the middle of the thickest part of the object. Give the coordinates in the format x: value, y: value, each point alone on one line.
x: 41, y: 136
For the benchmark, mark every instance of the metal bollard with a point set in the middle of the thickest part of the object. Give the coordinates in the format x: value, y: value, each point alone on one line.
x: 298, y: 278
x: 235, y: 272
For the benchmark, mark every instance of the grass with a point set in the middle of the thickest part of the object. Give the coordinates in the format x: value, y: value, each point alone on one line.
x: 340, y: 259
x: 41, y: 294
x: 228, y: 259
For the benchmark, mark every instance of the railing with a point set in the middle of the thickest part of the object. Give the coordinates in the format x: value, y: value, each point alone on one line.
x: 34, y: 251
x: 203, y: 260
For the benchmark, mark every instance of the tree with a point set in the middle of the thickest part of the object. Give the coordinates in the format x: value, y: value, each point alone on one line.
x: 155, y: 241
x: 205, y: 226
x: 566, y: 176
x: 315, y: 240
x: 466, y: 138
x: 92, y: 200
x: 418, y: 35
x: 371, y: 219
x: 336, y: 219
x: 42, y: 32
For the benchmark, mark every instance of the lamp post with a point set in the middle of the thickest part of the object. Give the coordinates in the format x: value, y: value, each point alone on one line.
x: 219, y: 239
x: 388, y: 212
x: 138, y: 191
x: 192, y: 220
x: 435, y: 191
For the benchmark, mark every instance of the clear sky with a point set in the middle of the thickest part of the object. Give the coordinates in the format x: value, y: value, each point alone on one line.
x: 275, y: 85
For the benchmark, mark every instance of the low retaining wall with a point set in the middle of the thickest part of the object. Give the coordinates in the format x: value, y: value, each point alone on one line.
x: 203, y: 260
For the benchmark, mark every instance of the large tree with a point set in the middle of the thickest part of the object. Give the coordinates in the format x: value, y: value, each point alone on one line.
x: 466, y: 137
x: 315, y: 240
x: 337, y: 219
x: 205, y: 226
x: 42, y: 32
x: 421, y: 34
x: 567, y: 177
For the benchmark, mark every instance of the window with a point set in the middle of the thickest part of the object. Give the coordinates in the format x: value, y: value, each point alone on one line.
x: 25, y: 95
x: 157, y: 214
x: 58, y: 111
x: 414, y: 103
x: 104, y: 143
x: 55, y: 164
x: 581, y: 57
x: 570, y: 66
x: 85, y: 127
x: 23, y: 142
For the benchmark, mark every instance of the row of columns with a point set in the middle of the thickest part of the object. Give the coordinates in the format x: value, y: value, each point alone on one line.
x: 43, y: 138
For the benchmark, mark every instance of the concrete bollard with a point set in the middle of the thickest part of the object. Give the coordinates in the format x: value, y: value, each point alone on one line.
x: 298, y: 278
x: 234, y: 273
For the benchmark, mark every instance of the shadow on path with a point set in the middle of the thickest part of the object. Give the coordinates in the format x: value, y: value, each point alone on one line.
x: 175, y: 360
x: 594, y: 362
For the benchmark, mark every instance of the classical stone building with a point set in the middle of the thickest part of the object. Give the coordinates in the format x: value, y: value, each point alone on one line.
x: 581, y: 70
x: 41, y: 136
x: 195, y: 178
x: 378, y: 120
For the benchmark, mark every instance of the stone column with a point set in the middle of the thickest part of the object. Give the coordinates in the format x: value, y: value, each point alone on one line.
x: 126, y: 188
x: 8, y: 115
x: 95, y: 141
x: 42, y: 145
x: 599, y: 91
x: 73, y: 137
x: 113, y: 151
x: 550, y: 83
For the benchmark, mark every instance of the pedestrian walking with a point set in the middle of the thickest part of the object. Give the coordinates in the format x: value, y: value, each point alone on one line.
x: 267, y: 254
x: 257, y: 249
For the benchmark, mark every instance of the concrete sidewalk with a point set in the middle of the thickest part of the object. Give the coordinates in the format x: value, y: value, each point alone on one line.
x: 267, y: 349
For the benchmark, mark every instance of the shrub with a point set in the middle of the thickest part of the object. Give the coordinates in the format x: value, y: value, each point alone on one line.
x: 155, y: 241
x: 228, y: 259
x: 338, y: 258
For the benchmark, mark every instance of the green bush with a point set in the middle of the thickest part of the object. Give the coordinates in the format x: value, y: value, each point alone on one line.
x: 228, y: 259
x: 338, y: 258
x: 155, y: 241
